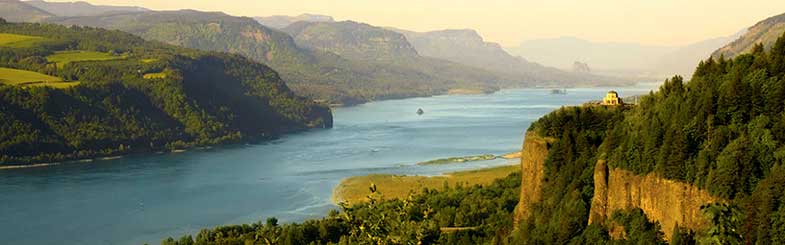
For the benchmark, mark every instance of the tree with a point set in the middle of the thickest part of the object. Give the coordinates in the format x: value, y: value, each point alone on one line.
x: 723, y: 227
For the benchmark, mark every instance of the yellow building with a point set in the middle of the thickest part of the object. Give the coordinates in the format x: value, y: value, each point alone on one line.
x: 612, y: 98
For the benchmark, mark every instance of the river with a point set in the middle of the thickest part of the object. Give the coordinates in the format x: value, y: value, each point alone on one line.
x: 144, y: 199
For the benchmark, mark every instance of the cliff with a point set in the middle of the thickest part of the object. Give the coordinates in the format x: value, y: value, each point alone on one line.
x: 665, y: 201
x: 533, y: 155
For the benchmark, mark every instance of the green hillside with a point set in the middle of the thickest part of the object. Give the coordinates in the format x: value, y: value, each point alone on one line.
x: 18, y: 41
x: 62, y: 58
x: 318, y: 74
x: 24, y: 78
x: 204, y: 99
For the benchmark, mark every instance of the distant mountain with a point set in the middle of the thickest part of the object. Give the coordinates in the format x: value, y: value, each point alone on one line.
x: 352, y: 40
x: 684, y: 60
x: 621, y: 58
x: 468, y: 47
x: 80, y: 8
x: 563, y: 51
x: 319, y: 74
x: 580, y: 67
x: 282, y: 21
x: 18, y: 11
x: 765, y: 32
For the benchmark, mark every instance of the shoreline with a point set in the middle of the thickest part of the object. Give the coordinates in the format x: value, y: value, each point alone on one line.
x: 447, y: 93
x: 352, y: 190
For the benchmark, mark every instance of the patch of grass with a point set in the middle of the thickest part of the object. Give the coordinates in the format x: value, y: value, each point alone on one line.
x: 355, y: 189
x: 24, y: 78
x: 64, y: 57
x: 147, y: 61
x: 485, y: 157
x: 159, y: 75
x: 18, y: 41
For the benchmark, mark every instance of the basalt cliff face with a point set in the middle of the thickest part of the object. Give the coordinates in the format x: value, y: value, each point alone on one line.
x: 533, y: 155
x: 665, y: 201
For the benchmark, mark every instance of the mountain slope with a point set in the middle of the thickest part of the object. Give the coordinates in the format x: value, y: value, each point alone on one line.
x: 621, y: 58
x: 765, y: 32
x: 352, y: 40
x: 80, y: 8
x: 282, y: 21
x: 683, y: 60
x: 363, y: 43
x: 318, y: 74
x: 468, y: 47
x: 18, y: 11
x: 563, y: 51
x: 149, y: 97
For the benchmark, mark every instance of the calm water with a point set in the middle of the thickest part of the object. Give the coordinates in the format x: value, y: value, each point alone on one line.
x: 147, y: 198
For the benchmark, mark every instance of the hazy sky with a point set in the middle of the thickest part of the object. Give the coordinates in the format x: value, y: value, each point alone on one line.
x: 654, y: 22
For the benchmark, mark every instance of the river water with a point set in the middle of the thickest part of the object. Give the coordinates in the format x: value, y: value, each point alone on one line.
x: 144, y: 199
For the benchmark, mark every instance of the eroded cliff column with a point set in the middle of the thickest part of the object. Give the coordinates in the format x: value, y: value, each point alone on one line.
x: 533, y: 155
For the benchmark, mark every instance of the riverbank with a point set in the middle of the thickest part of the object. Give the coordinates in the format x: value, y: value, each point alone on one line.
x: 355, y: 189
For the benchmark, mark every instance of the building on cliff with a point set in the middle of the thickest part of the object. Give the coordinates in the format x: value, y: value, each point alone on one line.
x: 612, y: 99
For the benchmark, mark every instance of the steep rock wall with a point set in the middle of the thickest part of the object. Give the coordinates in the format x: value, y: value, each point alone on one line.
x: 533, y: 155
x: 665, y: 201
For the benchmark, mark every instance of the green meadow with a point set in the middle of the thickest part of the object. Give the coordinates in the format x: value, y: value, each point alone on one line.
x: 64, y: 57
x: 31, y: 79
x: 18, y: 41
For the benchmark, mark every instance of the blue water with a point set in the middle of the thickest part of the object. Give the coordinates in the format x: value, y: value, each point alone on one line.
x: 144, y: 199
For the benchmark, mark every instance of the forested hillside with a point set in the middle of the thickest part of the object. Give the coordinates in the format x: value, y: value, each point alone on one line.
x: 115, y: 93
x: 317, y: 74
x: 722, y: 132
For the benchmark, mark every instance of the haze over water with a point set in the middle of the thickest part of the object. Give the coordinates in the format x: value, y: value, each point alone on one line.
x: 144, y: 199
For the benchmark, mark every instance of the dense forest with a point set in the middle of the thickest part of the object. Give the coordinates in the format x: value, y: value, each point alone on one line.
x: 153, y: 97
x: 721, y: 132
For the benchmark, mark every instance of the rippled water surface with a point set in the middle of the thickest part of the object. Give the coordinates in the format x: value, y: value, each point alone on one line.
x: 143, y: 199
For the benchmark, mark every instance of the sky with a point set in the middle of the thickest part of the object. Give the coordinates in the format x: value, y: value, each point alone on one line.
x: 509, y: 22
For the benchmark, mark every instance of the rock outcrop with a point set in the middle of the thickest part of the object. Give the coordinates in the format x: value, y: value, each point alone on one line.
x: 533, y: 155
x: 668, y: 202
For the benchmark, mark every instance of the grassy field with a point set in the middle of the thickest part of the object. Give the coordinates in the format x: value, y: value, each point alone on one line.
x: 64, y: 57
x: 31, y: 79
x: 18, y: 41
x: 160, y: 75
x: 355, y: 189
